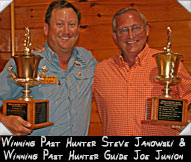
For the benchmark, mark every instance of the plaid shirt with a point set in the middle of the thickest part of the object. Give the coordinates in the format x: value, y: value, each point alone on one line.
x: 121, y: 94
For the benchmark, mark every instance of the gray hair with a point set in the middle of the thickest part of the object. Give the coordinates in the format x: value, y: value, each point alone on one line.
x: 124, y: 10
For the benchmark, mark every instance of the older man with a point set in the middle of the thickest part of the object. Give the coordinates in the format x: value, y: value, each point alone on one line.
x: 123, y: 83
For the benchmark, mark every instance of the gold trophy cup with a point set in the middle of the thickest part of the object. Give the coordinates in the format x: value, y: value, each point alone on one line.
x: 167, y: 109
x: 30, y: 109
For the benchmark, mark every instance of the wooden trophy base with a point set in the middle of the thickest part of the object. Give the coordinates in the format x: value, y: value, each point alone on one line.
x: 36, y: 112
x: 168, y: 111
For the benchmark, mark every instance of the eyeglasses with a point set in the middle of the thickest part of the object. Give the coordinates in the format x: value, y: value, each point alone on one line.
x: 135, y: 29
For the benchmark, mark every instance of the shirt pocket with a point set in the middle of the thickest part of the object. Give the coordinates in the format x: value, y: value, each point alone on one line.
x: 84, y: 74
x: 83, y: 79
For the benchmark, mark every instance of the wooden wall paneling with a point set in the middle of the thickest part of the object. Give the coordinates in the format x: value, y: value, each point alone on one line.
x: 5, y: 37
x: 95, y: 129
x: 96, y: 118
x: 99, y: 37
x: 181, y: 42
x: 181, y: 31
x: 34, y: 15
x: 31, y: 16
x: 160, y: 10
x: 153, y: 10
x: 102, y: 54
x: 186, y: 52
x: 32, y: 2
x: 5, y: 21
x: 101, y: 12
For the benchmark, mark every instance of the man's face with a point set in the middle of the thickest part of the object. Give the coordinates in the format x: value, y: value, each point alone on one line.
x: 129, y: 40
x: 63, y: 31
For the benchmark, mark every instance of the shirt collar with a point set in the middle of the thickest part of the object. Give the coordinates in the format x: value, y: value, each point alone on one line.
x: 75, y: 59
x: 139, y: 60
x: 50, y: 54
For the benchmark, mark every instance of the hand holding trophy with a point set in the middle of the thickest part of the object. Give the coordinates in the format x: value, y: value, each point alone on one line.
x: 30, y: 109
x: 167, y: 109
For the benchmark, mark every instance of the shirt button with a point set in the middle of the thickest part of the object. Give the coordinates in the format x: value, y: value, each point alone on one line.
x: 72, y: 124
x: 56, y: 102
x: 70, y: 107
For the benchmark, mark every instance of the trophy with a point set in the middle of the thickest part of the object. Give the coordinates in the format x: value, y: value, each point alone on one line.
x: 167, y: 109
x: 30, y: 109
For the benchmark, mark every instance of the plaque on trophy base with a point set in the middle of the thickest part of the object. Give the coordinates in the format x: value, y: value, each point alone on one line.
x: 36, y: 112
x: 164, y: 111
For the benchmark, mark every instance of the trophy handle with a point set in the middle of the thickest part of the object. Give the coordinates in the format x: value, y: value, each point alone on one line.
x: 42, y: 73
x: 168, y: 46
x: 11, y: 72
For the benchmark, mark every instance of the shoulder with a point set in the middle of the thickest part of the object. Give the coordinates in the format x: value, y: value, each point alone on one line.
x: 85, y: 55
x: 153, y: 51
x: 150, y: 52
x: 105, y: 64
x: 39, y: 53
x: 109, y: 61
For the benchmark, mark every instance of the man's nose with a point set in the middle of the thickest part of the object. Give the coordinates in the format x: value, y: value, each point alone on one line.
x: 66, y: 29
x: 130, y: 33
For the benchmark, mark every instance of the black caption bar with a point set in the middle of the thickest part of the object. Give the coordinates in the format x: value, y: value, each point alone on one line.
x: 94, y: 148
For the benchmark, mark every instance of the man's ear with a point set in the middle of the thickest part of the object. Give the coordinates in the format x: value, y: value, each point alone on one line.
x: 79, y: 28
x: 147, y: 29
x: 114, y: 37
x: 46, y: 29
